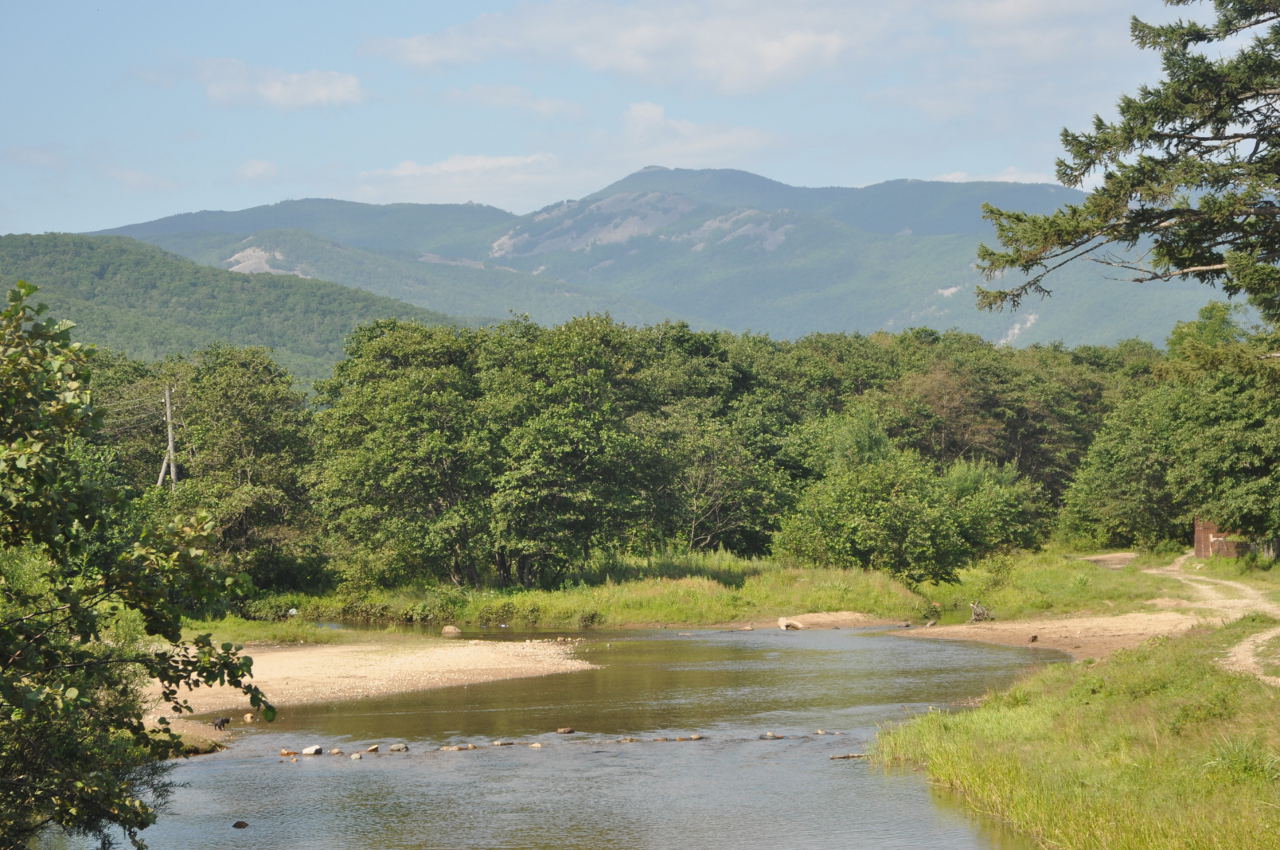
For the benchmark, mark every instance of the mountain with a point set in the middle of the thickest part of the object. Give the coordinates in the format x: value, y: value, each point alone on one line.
x: 147, y: 303
x: 429, y: 255
x: 714, y: 247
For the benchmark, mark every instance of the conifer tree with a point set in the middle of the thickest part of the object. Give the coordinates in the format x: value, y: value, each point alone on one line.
x: 1189, y: 171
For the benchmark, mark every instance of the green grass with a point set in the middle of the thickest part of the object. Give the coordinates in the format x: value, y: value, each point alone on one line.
x: 1157, y: 747
x: 697, y: 589
x: 239, y: 630
x: 1054, y: 581
x: 1268, y: 654
x: 704, y: 589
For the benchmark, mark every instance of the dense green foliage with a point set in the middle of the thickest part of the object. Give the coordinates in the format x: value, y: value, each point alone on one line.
x: 1201, y: 442
x: 508, y: 455
x: 1157, y: 747
x: 716, y: 248
x: 91, y: 600
x: 150, y: 304
x: 1188, y: 169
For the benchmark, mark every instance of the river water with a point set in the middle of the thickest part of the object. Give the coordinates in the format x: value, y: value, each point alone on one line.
x: 587, y: 790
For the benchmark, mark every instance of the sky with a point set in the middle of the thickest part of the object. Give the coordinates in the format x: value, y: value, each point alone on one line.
x: 129, y: 111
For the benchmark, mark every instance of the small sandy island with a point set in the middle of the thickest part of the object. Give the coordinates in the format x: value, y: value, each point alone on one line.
x: 324, y: 673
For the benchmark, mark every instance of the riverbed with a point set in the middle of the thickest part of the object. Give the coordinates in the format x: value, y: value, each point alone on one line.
x: 761, y: 776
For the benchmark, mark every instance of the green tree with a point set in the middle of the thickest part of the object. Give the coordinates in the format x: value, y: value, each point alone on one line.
x: 574, y: 475
x: 1121, y: 494
x: 75, y: 752
x: 1189, y: 171
x: 242, y: 448
x: 1217, y: 324
x: 404, y: 460
x: 717, y: 494
x: 890, y: 514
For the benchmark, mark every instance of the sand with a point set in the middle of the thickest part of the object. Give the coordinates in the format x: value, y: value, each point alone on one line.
x: 325, y: 672
x: 1216, y: 601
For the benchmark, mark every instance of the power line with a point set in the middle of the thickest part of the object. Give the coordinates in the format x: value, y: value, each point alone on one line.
x: 124, y: 424
x: 127, y: 405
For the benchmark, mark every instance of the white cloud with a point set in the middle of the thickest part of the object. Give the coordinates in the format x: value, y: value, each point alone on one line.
x: 736, y: 46
x: 516, y: 97
x: 525, y: 180
x: 1018, y: 328
x: 1011, y: 174
x: 256, y: 169
x: 645, y: 135
x: 232, y: 82
x: 463, y: 165
x: 948, y: 292
x: 652, y: 136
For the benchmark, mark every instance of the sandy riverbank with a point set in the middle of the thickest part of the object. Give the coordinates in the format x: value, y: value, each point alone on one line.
x: 1080, y: 637
x: 326, y: 672
x: 1214, y: 602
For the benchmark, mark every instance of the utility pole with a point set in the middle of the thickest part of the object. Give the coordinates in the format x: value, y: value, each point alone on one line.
x: 168, y: 464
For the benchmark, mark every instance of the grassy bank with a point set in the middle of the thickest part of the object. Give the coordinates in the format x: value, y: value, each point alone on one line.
x: 714, y: 588
x: 239, y: 630
x: 1052, y: 582
x: 1158, y: 747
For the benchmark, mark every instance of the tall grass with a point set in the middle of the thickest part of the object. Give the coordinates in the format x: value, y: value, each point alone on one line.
x: 1158, y: 747
x: 1053, y: 581
x: 239, y: 630
x: 719, y: 588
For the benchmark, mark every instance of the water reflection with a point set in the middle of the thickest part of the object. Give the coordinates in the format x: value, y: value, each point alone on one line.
x: 587, y: 790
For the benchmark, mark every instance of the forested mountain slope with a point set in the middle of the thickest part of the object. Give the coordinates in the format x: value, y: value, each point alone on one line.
x: 148, y: 303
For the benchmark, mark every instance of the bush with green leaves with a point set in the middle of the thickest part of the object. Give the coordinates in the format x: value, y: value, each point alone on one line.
x: 86, y: 616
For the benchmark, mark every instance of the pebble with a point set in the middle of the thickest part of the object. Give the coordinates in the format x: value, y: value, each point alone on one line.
x: 565, y: 730
x: 335, y: 752
x: 356, y: 756
x: 399, y: 748
x: 535, y: 746
x: 372, y: 749
x: 240, y: 825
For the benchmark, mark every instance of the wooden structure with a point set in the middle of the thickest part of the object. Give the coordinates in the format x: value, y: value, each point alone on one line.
x: 1213, y: 542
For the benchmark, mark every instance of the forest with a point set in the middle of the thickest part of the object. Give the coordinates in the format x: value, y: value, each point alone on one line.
x: 512, y: 455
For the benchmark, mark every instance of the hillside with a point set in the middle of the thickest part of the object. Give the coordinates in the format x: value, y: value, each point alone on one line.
x: 714, y: 247
x: 429, y: 255
x: 149, y: 304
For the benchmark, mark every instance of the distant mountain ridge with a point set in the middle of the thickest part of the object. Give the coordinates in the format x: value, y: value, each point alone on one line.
x: 714, y: 247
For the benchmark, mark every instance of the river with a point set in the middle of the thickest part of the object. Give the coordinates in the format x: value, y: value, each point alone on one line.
x: 587, y: 790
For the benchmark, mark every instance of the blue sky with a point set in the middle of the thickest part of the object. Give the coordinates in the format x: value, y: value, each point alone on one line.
x: 124, y: 112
